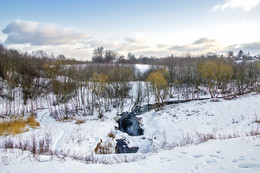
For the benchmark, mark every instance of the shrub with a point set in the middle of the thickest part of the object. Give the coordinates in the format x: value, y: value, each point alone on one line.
x: 80, y: 122
x: 111, y: 135
x: 257, y: 120
x: 32, y: 122
x: 104, y: 147
x: 159, y: 86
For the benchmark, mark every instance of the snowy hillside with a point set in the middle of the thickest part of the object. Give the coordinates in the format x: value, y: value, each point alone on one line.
x: 213, y: 156
x: 175, y: 138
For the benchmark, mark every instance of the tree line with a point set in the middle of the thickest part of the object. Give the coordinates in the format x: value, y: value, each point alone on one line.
x: 29, y: 82
x: 189, y: 78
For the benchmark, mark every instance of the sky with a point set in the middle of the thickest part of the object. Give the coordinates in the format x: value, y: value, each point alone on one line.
x: 158, y: 28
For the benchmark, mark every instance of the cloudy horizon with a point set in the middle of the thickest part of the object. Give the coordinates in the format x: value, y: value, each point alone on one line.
x: 149, y: 28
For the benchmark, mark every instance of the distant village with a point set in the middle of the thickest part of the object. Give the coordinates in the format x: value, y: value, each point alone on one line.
x: 241, y: 55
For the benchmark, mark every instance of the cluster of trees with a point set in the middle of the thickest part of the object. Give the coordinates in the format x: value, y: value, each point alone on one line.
x: 20, y: 79
x: 27, y: 81
x: 100, y: 55
x: 189, y: 78
x: 90, y: 88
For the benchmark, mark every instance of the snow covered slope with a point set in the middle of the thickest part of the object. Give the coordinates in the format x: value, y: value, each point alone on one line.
x: 232, y: 155
x: 175, y: 139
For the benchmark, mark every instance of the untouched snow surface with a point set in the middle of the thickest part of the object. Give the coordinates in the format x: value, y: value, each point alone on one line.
x: 142, y: 68
x: 168, y: 143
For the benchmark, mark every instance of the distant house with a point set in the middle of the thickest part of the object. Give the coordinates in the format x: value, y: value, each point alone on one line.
x: 210, y: 54
x: 230, y: 54
x: 257, y: 57
x: 240, y: 54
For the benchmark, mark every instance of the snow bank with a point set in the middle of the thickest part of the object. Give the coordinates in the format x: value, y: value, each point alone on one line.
x: 233, y: 155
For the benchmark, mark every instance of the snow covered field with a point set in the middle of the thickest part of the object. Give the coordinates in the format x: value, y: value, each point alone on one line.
x: 232, y: 155
x: 198, y: 136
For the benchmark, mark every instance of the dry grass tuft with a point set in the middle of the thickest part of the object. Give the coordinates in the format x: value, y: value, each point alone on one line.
x: 80, y: 122
x: 12, y: 127
x: 111, y: 135
x: 17, y: 125
x: 32, y: 122
x: 257, y: 120
x: 104, y: 148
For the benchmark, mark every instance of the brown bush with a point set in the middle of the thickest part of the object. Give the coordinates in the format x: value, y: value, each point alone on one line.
x: 104, y: 148
x: 80, y: 122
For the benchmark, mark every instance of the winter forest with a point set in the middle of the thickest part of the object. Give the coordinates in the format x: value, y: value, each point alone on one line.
x: 69, y: 88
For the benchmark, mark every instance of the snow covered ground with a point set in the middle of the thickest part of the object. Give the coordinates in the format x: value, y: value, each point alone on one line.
x: 232, y: 155
x: 142, y: 68
x: 175, y: 139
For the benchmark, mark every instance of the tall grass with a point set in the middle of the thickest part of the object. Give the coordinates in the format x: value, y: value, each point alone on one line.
x: 17, y: 125
x: 32, y: 122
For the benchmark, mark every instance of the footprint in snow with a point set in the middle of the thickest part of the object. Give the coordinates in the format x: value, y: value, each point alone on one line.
x: 198, y: 155
x: 248, y: 165
x: 234, y: 160
x: 218, y: 157
x: 183, y: 152
x: 241, y: 158
x: 211, y: 161
x: 162, y: 158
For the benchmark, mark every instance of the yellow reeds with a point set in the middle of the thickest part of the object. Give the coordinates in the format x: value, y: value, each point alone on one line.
x: 17, y: 125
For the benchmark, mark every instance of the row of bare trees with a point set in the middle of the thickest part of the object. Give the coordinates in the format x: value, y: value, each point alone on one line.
x: 20, y: 81
x: 190, y: 78
x: 29, y: 82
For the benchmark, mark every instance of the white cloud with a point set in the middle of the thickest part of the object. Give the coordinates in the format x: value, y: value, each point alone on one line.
x: 30, y: 36
x: 136, y: 39
x: 253, y: 47
x: 245, y: 5
x: 163, y: 45
x: 133, y: 43
x: 84, y: 51
x: 2, y: 37
x: 200, y: 46
x: 34, y: 33
x: 216, y: 7
x: 204, y: 41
